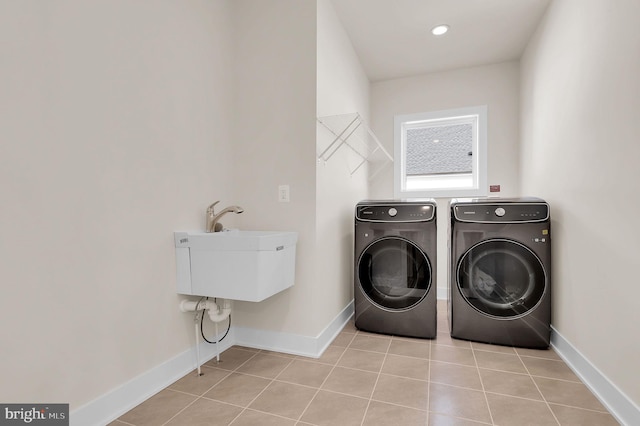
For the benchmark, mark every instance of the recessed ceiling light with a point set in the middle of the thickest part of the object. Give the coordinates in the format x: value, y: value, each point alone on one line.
x: 439, y: 30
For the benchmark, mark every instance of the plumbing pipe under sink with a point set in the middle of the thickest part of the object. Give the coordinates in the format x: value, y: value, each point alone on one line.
x: 215, y: 312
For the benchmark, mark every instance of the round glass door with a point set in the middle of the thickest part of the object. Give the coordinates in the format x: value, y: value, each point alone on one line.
x: 394, y: 273
x: 501, y: 278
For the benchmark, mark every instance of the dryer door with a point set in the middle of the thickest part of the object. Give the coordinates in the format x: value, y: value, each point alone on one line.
x: 501, y: 278
x: 394, y: 273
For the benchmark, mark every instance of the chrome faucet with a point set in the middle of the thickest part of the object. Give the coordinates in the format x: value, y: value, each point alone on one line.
x: 213, y: 224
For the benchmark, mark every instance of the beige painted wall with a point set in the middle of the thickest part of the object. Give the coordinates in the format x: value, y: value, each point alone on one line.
x: 343, y: 87
x: 275, y: 132
x: 274, y: 143
x: 115, y: 129
x: 496, y: 86
x: 121, y: 122
x: 580, y: 101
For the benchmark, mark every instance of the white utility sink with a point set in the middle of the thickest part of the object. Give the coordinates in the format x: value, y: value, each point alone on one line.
x: 237, y: 265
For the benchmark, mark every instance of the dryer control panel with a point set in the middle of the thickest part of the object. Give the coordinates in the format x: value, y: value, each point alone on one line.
x: 401, y: 212
x: 501, y: 212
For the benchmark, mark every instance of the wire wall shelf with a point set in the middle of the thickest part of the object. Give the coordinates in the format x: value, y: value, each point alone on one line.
x: 350, y: 130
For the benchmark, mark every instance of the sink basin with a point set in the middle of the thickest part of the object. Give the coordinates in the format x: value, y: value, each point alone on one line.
x: 237, y: 265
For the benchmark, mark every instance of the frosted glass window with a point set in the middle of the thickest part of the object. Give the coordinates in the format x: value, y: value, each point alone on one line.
x: 440, y: 150
x: 441, y: 153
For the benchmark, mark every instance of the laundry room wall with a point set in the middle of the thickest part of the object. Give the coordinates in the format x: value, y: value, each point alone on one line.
x: 317, y: 73
x: 274, y: 143
x: 115, y: 133
x: 496, y: 86
x: 580, y: 101
x: 342, y: 87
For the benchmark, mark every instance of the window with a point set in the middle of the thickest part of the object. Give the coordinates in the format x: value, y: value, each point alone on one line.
x: 441, y: 154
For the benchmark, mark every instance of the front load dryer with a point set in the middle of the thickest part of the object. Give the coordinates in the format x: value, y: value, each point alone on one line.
x: 395, y: 267
x: 500, y: 276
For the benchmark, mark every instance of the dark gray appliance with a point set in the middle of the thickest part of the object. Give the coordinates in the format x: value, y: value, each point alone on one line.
x: 395, y: 267
x: 500, y: 276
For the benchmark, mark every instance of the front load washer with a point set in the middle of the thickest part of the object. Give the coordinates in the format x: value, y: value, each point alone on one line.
x: 500, y: 271
x: 395, y: 267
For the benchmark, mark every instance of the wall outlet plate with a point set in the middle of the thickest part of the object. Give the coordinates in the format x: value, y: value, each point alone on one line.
x: 283, y: 193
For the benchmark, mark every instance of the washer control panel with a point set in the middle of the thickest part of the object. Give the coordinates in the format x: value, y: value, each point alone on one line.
x: 401, y: 212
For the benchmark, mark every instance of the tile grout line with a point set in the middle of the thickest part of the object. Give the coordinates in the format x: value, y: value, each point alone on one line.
x: 198, y: 397
x: 364, y: 416
x: 117, y: 421
x: 536, y: 385
x: 333, y: 367
x: 265, y: 388
x: 395, y: 404
x: 484, y: 391
x: 235, y: 370
x: 178, y: 413
x: 201, y: 396
x: 590, y: 410
x: 429, y: 379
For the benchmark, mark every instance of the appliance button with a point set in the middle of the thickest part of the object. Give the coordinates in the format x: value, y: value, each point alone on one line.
x: 500, y: 212
x: 393, y: 212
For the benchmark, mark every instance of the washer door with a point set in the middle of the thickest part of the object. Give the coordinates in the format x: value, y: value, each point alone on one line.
x: 501, y: 278
x: 394, y: 273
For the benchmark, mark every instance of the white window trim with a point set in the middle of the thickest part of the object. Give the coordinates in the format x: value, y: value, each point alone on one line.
x: 444, y: 186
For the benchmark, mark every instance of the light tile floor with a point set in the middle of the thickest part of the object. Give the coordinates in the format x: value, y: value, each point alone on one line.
x: 371, y: 379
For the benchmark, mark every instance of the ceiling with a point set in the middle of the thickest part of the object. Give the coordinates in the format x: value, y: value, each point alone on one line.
x: 393, y: 37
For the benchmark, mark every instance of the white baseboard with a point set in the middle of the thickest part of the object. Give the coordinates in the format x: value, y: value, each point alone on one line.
x: 293, y: 343
x: 619, y: 404
x: 118, y: 401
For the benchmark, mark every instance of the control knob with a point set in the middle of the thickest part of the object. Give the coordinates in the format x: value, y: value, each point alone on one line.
x: 500, y: 212
x: 393, y: 212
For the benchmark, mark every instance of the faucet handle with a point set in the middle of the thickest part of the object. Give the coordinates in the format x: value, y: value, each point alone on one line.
x: 210, y: 208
